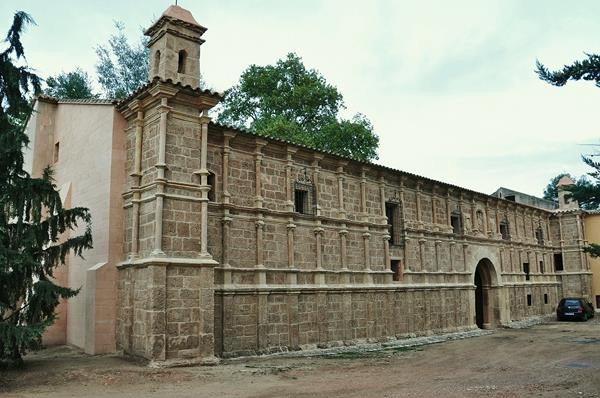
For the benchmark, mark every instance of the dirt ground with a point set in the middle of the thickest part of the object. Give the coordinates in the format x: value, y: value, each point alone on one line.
x: 549, y: 360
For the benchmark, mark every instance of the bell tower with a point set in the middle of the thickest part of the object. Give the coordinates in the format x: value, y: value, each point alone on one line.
x: 175, y: 41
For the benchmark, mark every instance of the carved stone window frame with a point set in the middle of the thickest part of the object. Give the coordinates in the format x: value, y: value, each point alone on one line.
x: 304, y: 183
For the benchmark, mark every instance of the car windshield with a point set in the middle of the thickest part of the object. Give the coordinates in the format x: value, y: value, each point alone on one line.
x: 571, y: 302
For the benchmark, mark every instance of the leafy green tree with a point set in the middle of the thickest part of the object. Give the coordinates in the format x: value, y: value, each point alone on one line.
x: 288, y: 101
x: 122, y: 67
x: 34, y: 227
x: 551, y: 191
x: 75, y: 84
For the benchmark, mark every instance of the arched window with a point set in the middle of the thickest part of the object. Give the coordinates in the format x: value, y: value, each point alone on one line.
x: 181, y: 61
x: 156, y: 62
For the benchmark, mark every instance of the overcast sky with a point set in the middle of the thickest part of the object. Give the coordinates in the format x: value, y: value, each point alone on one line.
x: 448, y: 85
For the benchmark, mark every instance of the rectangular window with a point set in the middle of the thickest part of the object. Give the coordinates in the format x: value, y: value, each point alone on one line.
x: 301, y: 201
x: 510, y: 197
x: 210, y: 180
x: 396, y: 268
x: 597, y: 301
x: 456, y: 223
x: 558, y: 262
x: 526, y: 270
x: 542, y: 267
x: 529, y: 300
x: 392, y: 213
x: 504, y: 230
x: 56, y: 151
x: 539, y: 236
x: 545, y: 298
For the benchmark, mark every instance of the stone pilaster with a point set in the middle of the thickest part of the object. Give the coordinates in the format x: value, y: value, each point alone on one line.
x: 382, y: 198
x: 137, y: 178
x: 433, y: 199
x: 363, y: 195
x: 343, y: 250
x: 419, y: 210
x: 474, y: 226
x: 204, y: 187
x: 258, y: 156
x: 289, y: 181
x: 406, y: 263
x: 386, y: 252
x: 449, y: 211
x: 226, y: 237
x: 290, y: 242
x: 422, y: 242
x: 260, y: 230
x: 465, y: 246
x: 318, y: 231
x: 366, y: 249
x: 452, y: 245
x: 340, y: 178
x: 315, y: 175
x: 160, y: 179
x: 227, y: 137
x: 437, y: 255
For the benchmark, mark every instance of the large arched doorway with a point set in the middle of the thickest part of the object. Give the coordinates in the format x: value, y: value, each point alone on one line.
x: 484, y: 279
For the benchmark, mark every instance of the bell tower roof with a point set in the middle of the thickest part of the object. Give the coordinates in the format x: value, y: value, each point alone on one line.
x: 175, y: 40
x: 177, y: 16
x: 181, y: 14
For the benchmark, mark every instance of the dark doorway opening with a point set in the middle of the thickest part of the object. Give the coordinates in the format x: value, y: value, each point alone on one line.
x: 478, y: 300
x: 485, y: 291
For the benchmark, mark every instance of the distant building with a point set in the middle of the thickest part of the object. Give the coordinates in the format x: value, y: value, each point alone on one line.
x: 211, y: 241
x: 519, y: 197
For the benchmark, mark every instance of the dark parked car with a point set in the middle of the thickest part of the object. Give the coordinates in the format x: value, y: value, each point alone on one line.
x: 574, y: 308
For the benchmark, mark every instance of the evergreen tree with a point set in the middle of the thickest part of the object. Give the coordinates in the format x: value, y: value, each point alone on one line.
x: 288, y: 101
x: 74, y: 85
x: 34, y: 227
x: 588, y: 69
x: 122, y: 67
x: 586, y: 192
x: 551, y: 191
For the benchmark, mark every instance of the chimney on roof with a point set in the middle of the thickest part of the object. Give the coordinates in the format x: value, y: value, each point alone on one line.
x: 174, y: 44
x: 563, y: 202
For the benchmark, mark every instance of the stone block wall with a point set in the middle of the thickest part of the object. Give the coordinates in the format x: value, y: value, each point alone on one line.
x: 270, y: 321
x: 166, y: 312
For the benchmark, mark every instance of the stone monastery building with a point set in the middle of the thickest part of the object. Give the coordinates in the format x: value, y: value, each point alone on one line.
x: 215, y: 242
